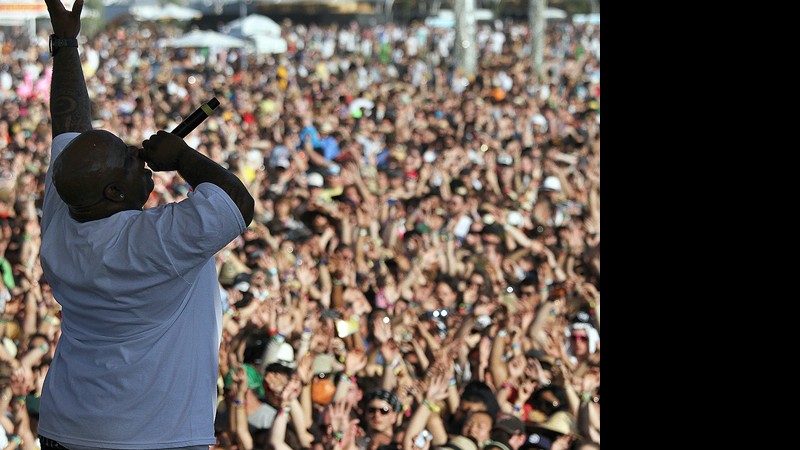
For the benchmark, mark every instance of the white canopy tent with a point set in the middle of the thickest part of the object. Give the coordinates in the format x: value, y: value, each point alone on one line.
x: 446, y: 18
x: 270, y: 44
x: 206, y: 38
x: 254, y: 25
x: 592, y: 19
x: 167, y: 12
x: 554, y: 13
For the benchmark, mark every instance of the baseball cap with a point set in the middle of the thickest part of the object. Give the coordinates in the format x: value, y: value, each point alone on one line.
x: 508, y: 423
x: 314, y: 179
x: 459, y: 443
x: 496, y: 445
x: 539, y: 119
x: 279, y: 157
x: 537, y: 441
x: 241, y: 282
x: 505, y: 159
x: 283, y: 361
x: 334, y: 169
x: 551, y: 183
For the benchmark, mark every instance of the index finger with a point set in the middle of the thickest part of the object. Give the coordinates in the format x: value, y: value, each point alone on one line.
x: 55, y: 5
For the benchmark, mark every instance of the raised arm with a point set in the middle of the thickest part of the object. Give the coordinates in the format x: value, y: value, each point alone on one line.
x: 166, y: 151
x: 70, y: 109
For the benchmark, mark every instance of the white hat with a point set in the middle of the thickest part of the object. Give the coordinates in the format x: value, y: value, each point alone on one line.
x: 315, y: 179
x: 285, y: 356
x: 285, y: 353
x: 504, y: 159
x: 280, y: 157
x: 281, y: 361
x: 429, y: 156
x: 255, y: 157
x: 551, y: 183
x: 540, y: 120
x: 242, y: 286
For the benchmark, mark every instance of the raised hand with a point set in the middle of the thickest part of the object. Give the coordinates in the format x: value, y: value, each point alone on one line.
x: 382, y: 330
x: 525, y: 390
x: 285, y: 323
x: 417, y: 390
x: 66, y: 24
x: 319, y: 340
x: 354, y: 362
x: 305, y: 275
x: 21, y: 381
x: 162, y: 151
x: 390, y: 350
x: 483, y: 309
x: 516, y: 367
x: 291, y: 391
x: 562, y: 442
x: 430, y: 257
x: 470, y: 295
x: 339, y: 413
x: 590, y: 381
x: 437, y: 387
x: 304, y: 372
x: 239, y: 377
x: 536, y: 372
x: 351, y: 434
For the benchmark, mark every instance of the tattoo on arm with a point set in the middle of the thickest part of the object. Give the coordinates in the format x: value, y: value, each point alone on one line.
x: 70, y: 108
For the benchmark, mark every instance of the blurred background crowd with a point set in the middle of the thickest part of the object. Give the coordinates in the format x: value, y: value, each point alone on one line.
x: 424, y: 267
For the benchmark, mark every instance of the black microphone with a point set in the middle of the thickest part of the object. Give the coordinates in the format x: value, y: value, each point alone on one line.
x: 196, y: 118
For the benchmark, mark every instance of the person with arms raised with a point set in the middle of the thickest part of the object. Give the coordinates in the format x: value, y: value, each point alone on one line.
x: 136, y: 364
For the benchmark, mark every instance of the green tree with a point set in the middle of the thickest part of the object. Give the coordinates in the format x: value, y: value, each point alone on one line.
x: 94, y: 24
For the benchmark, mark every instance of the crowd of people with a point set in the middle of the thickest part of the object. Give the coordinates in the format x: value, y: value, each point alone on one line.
x: 423, y: 268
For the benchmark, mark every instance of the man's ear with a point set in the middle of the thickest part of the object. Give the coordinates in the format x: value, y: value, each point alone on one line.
x: 113, y: 192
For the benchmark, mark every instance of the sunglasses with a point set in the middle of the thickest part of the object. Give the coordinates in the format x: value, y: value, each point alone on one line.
x: 580, y: 337
x: 372, y: 410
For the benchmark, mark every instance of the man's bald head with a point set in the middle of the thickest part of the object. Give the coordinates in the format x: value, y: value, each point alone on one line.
x: 94, y: 171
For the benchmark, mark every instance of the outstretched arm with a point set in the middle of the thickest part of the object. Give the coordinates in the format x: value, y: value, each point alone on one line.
x: 70, y: 109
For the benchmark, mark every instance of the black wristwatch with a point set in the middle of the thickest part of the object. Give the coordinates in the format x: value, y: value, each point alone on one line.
x: 56, y: 43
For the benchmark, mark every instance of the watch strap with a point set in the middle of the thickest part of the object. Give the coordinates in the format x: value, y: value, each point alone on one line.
x: 56, y: 43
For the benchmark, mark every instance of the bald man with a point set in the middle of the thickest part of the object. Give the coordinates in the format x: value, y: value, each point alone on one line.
x: 136, y: 364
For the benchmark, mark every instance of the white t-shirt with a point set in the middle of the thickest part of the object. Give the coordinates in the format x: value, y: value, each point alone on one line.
x: 136, y: 364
